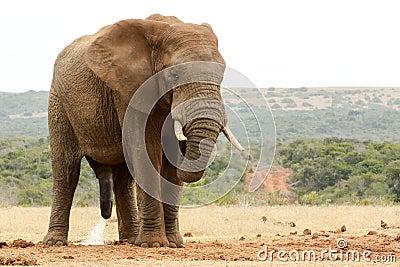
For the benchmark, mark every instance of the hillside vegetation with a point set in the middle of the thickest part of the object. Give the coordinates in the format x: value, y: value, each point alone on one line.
x: 26, y: 176
x: 342, y: 171
x: 353, y: 113
x: 325, y: 171
x: 23, y: 115
x: 343, y: 146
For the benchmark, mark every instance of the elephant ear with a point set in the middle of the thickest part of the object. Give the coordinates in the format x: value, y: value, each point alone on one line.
x: 121, y: 54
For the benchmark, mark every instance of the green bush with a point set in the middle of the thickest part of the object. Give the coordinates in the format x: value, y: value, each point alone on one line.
x: 343, y: 171
x: 311, y: 198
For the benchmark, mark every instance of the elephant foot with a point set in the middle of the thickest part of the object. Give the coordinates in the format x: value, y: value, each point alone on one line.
x: 175, y: 239
x: 151, y: 239
x: 55, y: 238
x: 128, y: 238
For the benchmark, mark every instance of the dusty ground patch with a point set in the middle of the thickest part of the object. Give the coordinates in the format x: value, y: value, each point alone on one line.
x: 228, y: 253
x: 224, y: 236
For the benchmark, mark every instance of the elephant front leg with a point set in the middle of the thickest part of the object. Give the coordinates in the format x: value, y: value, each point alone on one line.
x: 172, y: 194
x: 152, y: 226
x: 171, y: 219
x: 145, y: 152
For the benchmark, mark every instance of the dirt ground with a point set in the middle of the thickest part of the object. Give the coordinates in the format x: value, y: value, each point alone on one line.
x: 215, y: 253
x: 225, y: 236
x: 276, y: 180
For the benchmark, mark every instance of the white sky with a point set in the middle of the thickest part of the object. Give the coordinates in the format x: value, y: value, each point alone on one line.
x: 278, y: 43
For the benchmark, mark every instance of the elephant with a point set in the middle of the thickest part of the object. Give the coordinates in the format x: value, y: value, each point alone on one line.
x: 94, y: 79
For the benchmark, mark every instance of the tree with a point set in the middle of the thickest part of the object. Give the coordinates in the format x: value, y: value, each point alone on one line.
x: 392, y: 172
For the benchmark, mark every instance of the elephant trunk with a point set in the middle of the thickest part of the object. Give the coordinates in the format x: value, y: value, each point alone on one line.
x: 199, y: 108
x: 202, y: 136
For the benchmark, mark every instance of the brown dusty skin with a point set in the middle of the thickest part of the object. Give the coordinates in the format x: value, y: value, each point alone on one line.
x: 94, y: 80
x: 242, y: 252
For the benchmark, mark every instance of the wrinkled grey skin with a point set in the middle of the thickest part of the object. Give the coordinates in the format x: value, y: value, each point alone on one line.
x: 94, y: 79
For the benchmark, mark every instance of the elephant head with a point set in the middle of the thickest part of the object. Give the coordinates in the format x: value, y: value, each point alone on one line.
x: 127, y: 53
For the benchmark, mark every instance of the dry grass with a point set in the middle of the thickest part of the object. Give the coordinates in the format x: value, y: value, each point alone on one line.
x: 212, y: 222
x: 31, y: 223
x: 205, y: 224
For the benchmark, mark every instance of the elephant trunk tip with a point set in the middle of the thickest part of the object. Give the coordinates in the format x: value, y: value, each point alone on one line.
x: 189, y: 177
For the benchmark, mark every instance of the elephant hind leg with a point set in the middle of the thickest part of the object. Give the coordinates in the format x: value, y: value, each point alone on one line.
x: 66, y: 160
x: 127, y: 211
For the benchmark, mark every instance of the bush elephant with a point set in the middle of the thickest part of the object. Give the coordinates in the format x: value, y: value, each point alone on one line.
x: 93, y: 81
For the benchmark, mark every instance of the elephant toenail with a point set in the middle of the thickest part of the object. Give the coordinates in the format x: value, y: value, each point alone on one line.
x: 156, y: 245
x: 144, y: 245
x: 49, y: 243
x: 172, y: 245
x: 59, y: 243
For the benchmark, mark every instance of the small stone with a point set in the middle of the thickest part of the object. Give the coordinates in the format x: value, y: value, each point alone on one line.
x: 343, y: 228
x: 258, y: 235
x: 121, y: 242
x: 372, y: 233
x: 397, y: 238
x: 307, y: 232
x: 69, y: 257
x: 384, y: 225
x: 293, y: 233
x: 242, y: 238
x: 319, y: 234
x: 188, y: 234
x: 264, y: 219
x: 291, y: 224
x: 20, y: 243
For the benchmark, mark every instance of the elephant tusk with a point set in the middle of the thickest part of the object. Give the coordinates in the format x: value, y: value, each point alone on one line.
x: 179, y: 132
x: 232, y: 139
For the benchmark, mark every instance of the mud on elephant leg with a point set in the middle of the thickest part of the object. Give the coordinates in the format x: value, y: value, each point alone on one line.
x: 127, y: 211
